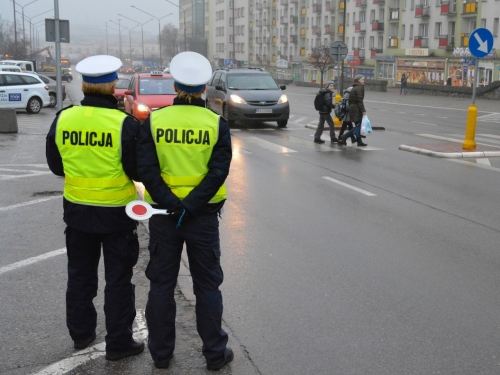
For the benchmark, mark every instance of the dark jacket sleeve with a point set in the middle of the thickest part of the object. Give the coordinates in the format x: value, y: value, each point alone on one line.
x: 148, y: 167
x: 130, y: 135
x: 218, y: 170
x: 54, y: 159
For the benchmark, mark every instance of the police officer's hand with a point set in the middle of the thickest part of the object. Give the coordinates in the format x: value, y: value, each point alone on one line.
x: 179, y: 213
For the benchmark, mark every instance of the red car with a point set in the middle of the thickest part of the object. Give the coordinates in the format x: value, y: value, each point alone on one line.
x: 120, y: 88
x: 147, y: 92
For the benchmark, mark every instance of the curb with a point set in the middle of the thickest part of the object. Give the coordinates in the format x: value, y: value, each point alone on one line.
x: 468, y: 154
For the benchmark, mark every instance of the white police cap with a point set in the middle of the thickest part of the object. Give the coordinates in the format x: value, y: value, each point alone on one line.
x: 99, y: 69
x: 191, y: 70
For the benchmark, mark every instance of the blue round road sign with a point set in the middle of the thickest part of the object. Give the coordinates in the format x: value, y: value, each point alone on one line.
x: 480, y: 42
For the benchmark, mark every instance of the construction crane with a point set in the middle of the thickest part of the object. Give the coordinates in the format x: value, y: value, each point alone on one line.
x: 50, y: 59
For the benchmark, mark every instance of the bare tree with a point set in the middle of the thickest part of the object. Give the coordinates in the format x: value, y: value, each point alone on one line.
x: 169, y: 36
x: 8, y: 46
x: 320, y: 58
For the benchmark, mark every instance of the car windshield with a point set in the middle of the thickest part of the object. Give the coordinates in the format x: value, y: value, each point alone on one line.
x: 122, y: 84
x: 251, y: 82
x: 156, y: 86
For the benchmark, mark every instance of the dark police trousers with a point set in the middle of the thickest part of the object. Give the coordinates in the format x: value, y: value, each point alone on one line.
x: 120, y: 251
x: 201, y: 235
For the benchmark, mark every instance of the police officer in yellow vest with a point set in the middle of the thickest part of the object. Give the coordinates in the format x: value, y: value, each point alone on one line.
x: 184, y: 153
x: 94, y: 147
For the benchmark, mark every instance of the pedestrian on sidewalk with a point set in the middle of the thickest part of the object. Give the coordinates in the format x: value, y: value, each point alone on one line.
x: 404, y: 80
x: 184, y: 154
x: 94, y: 147
x: 356, y: 110
x: 346, y: 121
x: 325, y: 114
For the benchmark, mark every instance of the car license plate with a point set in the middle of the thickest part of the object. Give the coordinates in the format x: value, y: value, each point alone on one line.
x: 264, y: 110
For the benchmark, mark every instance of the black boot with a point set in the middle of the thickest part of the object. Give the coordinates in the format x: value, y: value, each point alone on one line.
x: 318, y: 141
x: 334, y: 139
x: 341, y: 141
x: 360, y: 142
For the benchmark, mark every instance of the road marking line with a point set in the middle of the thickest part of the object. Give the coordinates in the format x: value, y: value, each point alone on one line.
x: 268, y: 145
x: 490, y: 135
x: 28, y: 203
x: 350, y: 186
x: 27, y: 262
x: 484, y: 161
x: 80, y: 357
x: 471, y: 163
x: 425, y: 123
x: 455, y: 140
x: 298, y: 120
x: 237, y: 150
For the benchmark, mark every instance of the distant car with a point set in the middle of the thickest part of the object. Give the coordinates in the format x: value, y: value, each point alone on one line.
x: 10, y: 68
x: 249, y: 94
x: 127, y: 70
x: 120, y: 88
x: 66, y: 74
x: 147, y: 92
x: 52, y: 85
x: 23, y: 91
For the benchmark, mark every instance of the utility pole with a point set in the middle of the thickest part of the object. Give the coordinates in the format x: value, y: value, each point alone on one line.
x: 15, y: 30
x: 58, y: 55
x: 341, y: 87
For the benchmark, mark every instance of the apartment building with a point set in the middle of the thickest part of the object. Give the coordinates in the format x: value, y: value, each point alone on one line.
x: 428, y: 39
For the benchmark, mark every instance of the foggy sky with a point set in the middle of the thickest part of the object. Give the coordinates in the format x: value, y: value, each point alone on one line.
x: 95, y: 12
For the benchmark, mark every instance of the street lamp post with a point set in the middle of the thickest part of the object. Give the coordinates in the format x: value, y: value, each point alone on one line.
x: 159, y: 30
x: 109, y: 27
x: 184, y: 16
x: 22, y: 13
x: 142, y: 30
x: 119, y: 35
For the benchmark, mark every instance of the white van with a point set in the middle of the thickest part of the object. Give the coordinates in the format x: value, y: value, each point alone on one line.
x: 10, y: 68
x: 23, y: 91
x: 25, y: 65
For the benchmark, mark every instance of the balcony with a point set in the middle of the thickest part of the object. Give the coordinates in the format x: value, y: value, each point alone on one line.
x: 420, y: 42
x: 303, y: 32
x: 258, y: 58
x: 250, y: 26
x: 273, y: 22
x: 422, y: 11
x: 448, y: 9
x: 302, y: 52
x: 273, y: 57
x: 361, y: 3
x: 381, y: 2
x: 464, y: 40
x: 273, y: 40
x: 360, y: 27
x: 329, y: 30
x: 340, y: 29
x: 290, y: 58
x: 284, y: 3
x: 393, y: 14
x: 250, y: 57
x: 294, y: 39
x: 274, y: 4
x: 374, y: 51
x: 294, y: 20
x: 393, y: 42
x: 303, y: 11
x: 469, y: 8
x: 378, y: 26
x: 258, y: 6
x: 330, y: 6
x: 258, y: 40
x: 264, y: 58
x: 284, y: 21
x: 341, y: 5
x: 250, y: 9
x: 443, y: 41
x: 294, y: 2
x: 265, y: 39
x: 258, y: 23
x: 250, y: 42
x: 264, y: 22
x: 359, y: 53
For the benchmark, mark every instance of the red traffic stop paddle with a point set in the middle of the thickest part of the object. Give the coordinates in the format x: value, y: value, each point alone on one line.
x: 140, y: 210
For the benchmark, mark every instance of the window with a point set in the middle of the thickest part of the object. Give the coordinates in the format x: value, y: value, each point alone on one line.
x: 386, y: 70
x: 412, y: 4
x: 424, y: 30
x: 438, y: 30
x: 13, y: 80
x: 362, y: 17
x: 411, y: 32
x: 483, y: 23
x: 495, y: 26
x: 361, y: 42
x: 30, y: 80
x: 403, y: 31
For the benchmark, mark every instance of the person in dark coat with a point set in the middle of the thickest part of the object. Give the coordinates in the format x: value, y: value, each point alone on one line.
x: 404, y: 80
x: 356, y: 109
x: 346, y: 121
x: 325, y: 114
x: 93, y: 146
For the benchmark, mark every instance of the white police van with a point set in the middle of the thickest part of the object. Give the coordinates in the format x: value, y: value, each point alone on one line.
x: 23, y: 91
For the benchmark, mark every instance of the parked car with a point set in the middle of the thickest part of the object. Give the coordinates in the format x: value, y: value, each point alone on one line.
x: 23, y: 91
x: 147, y: 92
x: 127, y: 70
x: 120, y: 88
x: 52, y: 84
x: 66, y: 74
x: 10, y: 68
x: 247, y: 94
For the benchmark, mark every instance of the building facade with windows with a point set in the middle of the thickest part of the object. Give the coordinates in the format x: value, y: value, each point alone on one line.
x: 427, y: 39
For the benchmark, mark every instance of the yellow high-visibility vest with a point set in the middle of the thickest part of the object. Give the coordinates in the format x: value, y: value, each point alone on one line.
x: 184, y: 137
x: 89, y: 141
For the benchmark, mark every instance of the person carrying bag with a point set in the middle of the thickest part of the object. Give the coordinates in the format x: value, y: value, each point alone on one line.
x: 356, y: 110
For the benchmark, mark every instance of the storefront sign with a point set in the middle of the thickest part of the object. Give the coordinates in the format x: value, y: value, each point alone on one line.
x: 282, y: 64
x: 417, y: 52
x: 387, y: 58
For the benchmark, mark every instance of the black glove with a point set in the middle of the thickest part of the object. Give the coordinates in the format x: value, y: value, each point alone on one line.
x: 179, y: 213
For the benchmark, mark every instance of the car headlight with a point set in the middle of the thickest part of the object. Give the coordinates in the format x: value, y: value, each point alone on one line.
x: 283, y: 99
x: 236, y: 99
x: 142, y: 108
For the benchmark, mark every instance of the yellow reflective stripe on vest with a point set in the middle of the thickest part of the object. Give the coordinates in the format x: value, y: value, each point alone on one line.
x: 181, y: 180
x: 101, y: 196
x: 96, y: 182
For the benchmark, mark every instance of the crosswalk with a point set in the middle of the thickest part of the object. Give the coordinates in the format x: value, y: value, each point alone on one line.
x: 17, y: 171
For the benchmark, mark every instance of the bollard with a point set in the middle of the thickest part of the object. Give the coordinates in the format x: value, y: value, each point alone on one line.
x: 8, y: 120
x: 470, y: 129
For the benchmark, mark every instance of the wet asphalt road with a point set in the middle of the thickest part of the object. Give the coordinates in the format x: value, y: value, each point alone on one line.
x: 337, y: 260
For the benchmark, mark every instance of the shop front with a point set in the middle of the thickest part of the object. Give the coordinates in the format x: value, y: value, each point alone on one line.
x: 426, y: 72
